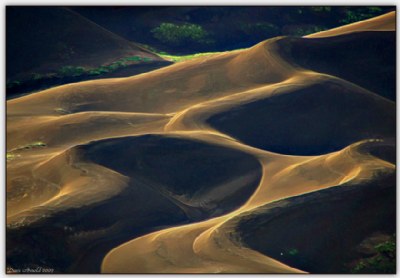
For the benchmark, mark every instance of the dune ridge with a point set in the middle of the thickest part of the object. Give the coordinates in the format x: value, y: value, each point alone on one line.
x: 385, y: 22
x: 242, y: 132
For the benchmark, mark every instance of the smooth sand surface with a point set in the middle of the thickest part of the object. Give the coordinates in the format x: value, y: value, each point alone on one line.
x: 152, y: 173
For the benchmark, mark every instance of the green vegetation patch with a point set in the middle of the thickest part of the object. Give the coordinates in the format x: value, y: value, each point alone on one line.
x: 354, y: 15
x: 32, y: 145
x: 36, y: 144
x: 293, y: 252
x: 174, y: 34
x: 176, y: 58
x: 383, y: 262
x: 12, y: 83
x: 181, y: 58
x: 71, y: 71
x: 76, y: 71
x: 10, y: 156
x: 300, y: 31
x: 61, y: 110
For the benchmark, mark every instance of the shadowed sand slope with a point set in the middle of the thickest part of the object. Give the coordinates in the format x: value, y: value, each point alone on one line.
x: 367, y: 59
x: 214, y: 165
x: 44, y: 39
x: 211, y: 178
x: 316, y: 119
x: 320, y: 232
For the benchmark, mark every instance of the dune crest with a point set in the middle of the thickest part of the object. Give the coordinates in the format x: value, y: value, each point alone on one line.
x: 385, y: 22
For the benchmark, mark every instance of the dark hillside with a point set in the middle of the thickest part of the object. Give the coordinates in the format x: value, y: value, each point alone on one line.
x: 47, y: 41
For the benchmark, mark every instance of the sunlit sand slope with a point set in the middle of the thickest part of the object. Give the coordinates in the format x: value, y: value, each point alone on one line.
x: 214, y: 165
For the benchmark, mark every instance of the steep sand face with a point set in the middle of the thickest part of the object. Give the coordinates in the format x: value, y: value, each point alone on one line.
x: 369, y: 67
x: 255, y: 116
x: 156, y: 173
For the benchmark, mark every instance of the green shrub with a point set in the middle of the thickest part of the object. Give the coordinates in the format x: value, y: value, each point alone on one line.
x: 293, y: 252
x: 388, y: 248
x: 146, y: 59
x: 383, y: 262
x: 38, y: 144
x: 133, y: 58
x: 61, y: 110
x: 174, y: 34
x: 11, y: 84
x: 94, y: 72
x: 320, y: 9
x: 306, y: 30
x: 71, y: 71
x: 37, y: 76
x: 355, y: 15
x: 32, y: 145
x: 10, y: 156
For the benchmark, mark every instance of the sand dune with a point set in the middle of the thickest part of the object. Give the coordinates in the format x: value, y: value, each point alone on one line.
x: 285, y: 230
x: 166, y: 90
x: 36, y: 46
x: 254, y: 118
x: 386, y: 22
x: 209, y: 248
x: 61, y: 130
x: 186, y: 169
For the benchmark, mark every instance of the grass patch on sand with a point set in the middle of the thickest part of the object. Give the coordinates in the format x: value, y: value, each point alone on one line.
x: 10, y: 156
x: 33, y: 145
x: 37, y: 144
x: 61, y: 110
x: 177, y: 59
x: 181, y: 58
x: 71, y: 71
x: 76, y: 71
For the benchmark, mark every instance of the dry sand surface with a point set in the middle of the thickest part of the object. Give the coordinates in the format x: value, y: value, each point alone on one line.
x: 218, y: 164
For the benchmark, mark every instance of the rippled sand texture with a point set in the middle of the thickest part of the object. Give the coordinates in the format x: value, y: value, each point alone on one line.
x: 214, y: 165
